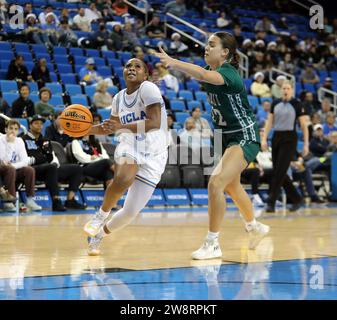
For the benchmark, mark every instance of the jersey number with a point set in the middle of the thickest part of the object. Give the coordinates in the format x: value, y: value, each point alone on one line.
x: 218, y: 118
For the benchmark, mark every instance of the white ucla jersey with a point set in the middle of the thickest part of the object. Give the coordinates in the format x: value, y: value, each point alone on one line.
x: 131, y: 108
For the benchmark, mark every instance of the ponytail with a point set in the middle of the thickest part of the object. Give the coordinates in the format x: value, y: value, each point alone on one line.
x: 235, y: 60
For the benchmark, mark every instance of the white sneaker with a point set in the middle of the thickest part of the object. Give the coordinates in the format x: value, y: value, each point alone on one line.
x: 257, y: 201
x: 9, y: 207
x: 209, y: 250
x: 93, y: 226
x: 257, y: 234
x: 94, y: 244
x: 32, y: 205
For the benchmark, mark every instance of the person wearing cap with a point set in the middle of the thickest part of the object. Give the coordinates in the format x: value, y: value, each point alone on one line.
x: 177, y: 46
x: 283, y: 116
x: 248, y: 48
x: 43, y: 15
x: 50, y: 28
x: 272, y: 50
x: 276, y: 87
x: 23, y: 107
x: 33, y: 32
x: 47, y: 166
x: 82, y: 22
x: 260, y: 45
x: 319, y: 143
x: 88, y: 74
x: 155, y: 28
x: 258, y: 88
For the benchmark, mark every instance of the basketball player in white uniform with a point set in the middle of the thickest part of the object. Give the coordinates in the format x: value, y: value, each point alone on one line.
x: 138, y: 116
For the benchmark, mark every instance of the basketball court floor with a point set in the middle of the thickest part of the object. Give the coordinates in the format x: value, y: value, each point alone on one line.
x: 43, y: 256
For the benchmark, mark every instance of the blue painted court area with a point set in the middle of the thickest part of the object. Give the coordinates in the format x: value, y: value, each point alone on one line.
x: 309, y: 279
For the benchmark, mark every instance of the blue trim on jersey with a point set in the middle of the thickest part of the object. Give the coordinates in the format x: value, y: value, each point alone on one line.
x: 133, y: 102
x: 146, y: 181
x: 150, y: 185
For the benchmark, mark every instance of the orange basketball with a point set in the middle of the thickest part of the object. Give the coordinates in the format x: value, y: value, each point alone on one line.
x: 76, y: 120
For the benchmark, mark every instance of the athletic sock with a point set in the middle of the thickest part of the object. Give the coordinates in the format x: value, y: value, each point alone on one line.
x: 103, y: 213
x: 250, y: 225
x: 212, y: 236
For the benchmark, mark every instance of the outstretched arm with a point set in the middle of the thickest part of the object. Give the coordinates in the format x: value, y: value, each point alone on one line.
x: 197, y: 72
x: 100, y: 129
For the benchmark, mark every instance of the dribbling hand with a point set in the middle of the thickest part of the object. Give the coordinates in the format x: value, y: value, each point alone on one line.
x: 111, y: 126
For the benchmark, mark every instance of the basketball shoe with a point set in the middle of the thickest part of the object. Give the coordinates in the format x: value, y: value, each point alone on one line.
x: 256, y: 234
x: 93, y: 245
x: 93, y: 226
x: 210, y: 249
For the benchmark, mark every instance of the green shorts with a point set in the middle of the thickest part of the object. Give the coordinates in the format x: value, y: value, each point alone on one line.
x: 248, y: 140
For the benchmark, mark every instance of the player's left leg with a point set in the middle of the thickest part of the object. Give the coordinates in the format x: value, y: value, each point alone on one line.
x: 138, y: 196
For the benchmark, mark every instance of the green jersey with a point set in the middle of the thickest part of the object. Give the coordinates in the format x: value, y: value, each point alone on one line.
x: 231, y: 111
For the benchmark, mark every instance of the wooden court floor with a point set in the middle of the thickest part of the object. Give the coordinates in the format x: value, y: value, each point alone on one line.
x: 43, y: 245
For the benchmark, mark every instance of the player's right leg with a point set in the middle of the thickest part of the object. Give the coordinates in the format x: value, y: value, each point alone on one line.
x: 125, y: 173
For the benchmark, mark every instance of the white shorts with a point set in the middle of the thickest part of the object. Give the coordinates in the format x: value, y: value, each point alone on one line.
x: 151, y: 167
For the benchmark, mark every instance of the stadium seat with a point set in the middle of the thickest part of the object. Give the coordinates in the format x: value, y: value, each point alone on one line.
x: 177, y: 105
x: 79, y: 99
x: 113, y: 90
x: 104, y: 71
x: 185, y: 94
x: 8, y: 86
x: 170, y: 94
x: 171, y: 177
x: 55, y: 88
x: 309, y: 87
x: 21, y: 46
x: 34, y: 97
x: 8, y: 55
x: 266, y: 99
x: 73, y: 89
x: 53, y: 77
x: 33, y: 87
x: 118, y: 72
x: 80, y: 60
x: 10, y: 97
x: 109, y: 54
x: 192, y: 85
x: 39, y: 48
x: 208, y: 107
x: 253, y: 101
x: 61, y: 59
x: 23, y: 122
x: 100, y: 62
x: 76, y: 52
x: 56, y: 100
x: 64, y: 68
x: 201, y: 96
x: 125, y: 56
x: 105, y: 113
x: 60, y: 51
x: 193, y: 176
x: 30, y: 65
x: 181, y: 117
x: 5, y: 64
x: 90, y: 90
x: 5, y: 46
x: 68, y: 78
x: 93, y: 53
x: 248, y: 82
x: 122, y: 83
x: 115, y: 63
x: 43, y: 56
x: 193, y: 104
x: 3, y: 74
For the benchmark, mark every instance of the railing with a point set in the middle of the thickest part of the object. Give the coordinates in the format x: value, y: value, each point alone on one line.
x: 143, y: 11
x: 244, y: 62
x: 286, y: 74
x: 320, y: 94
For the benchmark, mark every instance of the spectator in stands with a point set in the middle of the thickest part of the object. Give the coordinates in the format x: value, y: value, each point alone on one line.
x: 82, y: 22
x: 329, y: 125
x: 92, y: 13
x: 130, y: 37
x: 23, y: 107
x: 318, y: 144
x: 14, y: 165
x: 260, y: 46
x: 120, y: 8
x: 65, y: 16
x: 40, y: 73
x: 258, y: 88
x: 33, y: 32
x: 171, y: 81
x: 43, y: 15
x: 287, y: 64
x: 155, y: 78
x: 328, y: 84
x: 42, y: 107
x: 155, y: 28
x: 140, y: 28
x: 102, y: 98
x: 176, y: 7
x: 309, y: 102
x: 116, y: 36
x: 90, y: 153
x: 50, y: 28
x: 18, y: 71
x: 107, y: 13
x: 88, y: 74
x: 309, y: 75
x: 272, y: 50
x: 201, y: 124
x: 276, y: 87
x: 28, y: 9
x: 262, y: 113
x: 248, y: 48
x: 54, y: 132
x: 101, y: 37
x: 265, y: 25
x: 333, y: 142
x: 4, y: 107
x: 190, y: 136
x: 173, y: 135
x: 178, y: 47
x: 258, y: 63
x: 237, y: 35
x: 67, y: 37
x: 325, y: 109
x: 222, y: 22
x: 48, y: 169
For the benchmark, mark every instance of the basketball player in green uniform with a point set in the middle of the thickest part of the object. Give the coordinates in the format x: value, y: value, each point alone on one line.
x: 232, y: 114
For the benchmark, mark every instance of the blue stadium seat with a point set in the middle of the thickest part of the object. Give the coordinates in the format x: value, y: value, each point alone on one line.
x: 104, y: 71
x: 33, y: 87
x: 105, y: 113
x: 207, y: 107
x: 39, y: 48
x: 90, y: 90
x: 45, y: 126
x: 113, y: 90
x: 92, y: 53
x: 266, y: 99
x: 23, y: 122
x: 60, y: 51
x: 253, y: 101
x: 60, y: 59
x: 73, y: 89
x: 192, y: 85
x: 55, y: 88
x: 30, y: 65
x: 64, y: 68
x: 5, y: 46
x: 10, y: 97
x: 27, y: 56
x: 122, y: 83
x: 99, y: 62
x: 77, y: 52
x: 68, y: 78
x: 298, y: 88
x: 8, y: 86
x: 118, y: 72
x: 181, y: 117
x: 125, y: 56
x: 248, y: 82
x: 8, y: 55
x: 79, y: 99
x: 56, y: 100
x: 3, y: 74
x: 201, y: 96
x: 309, y: 87
x: 170, y: 94
x: 43, y: 56
x: 177, y: 105
x: 53, y: 77
x: 185, y: 94
x: 21, y: 46
x: 80, y: 60
x: 193, y: 104
x: 109, y: 54
x: 34, y: 97
x: 115, y: 63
